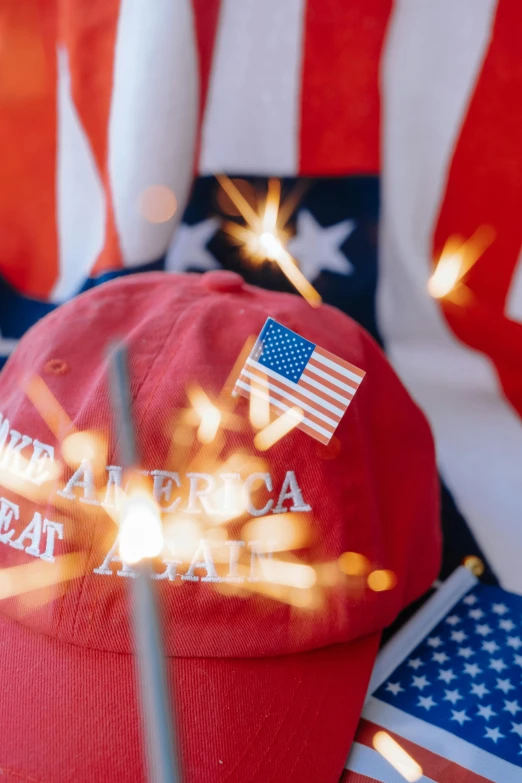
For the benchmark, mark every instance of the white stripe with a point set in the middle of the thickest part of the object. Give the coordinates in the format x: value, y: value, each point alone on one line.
x: 311, y: 396
x: 322, y: 374
x: 321, y: 387
x: 514, y: 298
x: 310, y: 408
x: 477, y: 431
x: 153, y: 122
x: 367, y: 761
x: 282, y: 406
x: 251, y: 122
x: 337, y: 367
x: 80, y: 196
x: 420, y: 625
x: 440, y: 741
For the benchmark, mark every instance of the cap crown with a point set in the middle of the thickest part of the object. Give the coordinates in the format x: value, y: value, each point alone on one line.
x: 373, y: 492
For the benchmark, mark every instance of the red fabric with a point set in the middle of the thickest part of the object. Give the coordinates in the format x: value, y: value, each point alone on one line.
x: 484, y: 188
x: 376, y: 496
x: 206, y: 18
x: 28, y: 158
x: 340, y: 101
x: 76, y: 714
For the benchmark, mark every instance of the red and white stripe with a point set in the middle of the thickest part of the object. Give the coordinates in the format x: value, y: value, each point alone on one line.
x: 442, y: 756
x: 323, y: 392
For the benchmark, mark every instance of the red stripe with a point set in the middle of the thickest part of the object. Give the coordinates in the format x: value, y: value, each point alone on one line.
x: 484, y: 186
x: 89, y: 31
x: 333, y: 358
x: 305, y: 382
x: 206, y: 16
x: 280, y: 395
x: 28, y: 80
x: 340, y: 86
x: 433, y: 766
x: 303, y: 397
x: 354, y: 777
x: 333, y: 374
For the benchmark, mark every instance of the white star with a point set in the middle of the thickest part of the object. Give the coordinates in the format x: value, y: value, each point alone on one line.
x: 465, y: 652
x: 188, y: 248
x: 440, y: 657
x: 7, y: 345
x: 472, y: 669
x: 493, y: 734
x: 479, y: 689
x: 515, y: 642
x: 415, y: 663
x: 434, y: 641
x: 458, y: 636
x: 315, y: 247
x: 452, y: 696
x: 420, y: 682
x: 485, y: 711
x: 426, y: 702
x: 499, y: 609
x: 476, y: 614
x: 490, y: 647
x: 483, y: 630
x: 512, y: 707
x: 454, y: 619
x: 446, y: 675
x: 506, y: 625
x: 497, y: 664
x: 504, y: 685
x: 518, y: 660
x: 460, y: 717
x: 394, y: 687
x: 470, y: 600
x: 516, y: 729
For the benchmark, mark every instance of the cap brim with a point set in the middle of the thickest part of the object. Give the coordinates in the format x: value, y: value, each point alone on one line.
x: 70, y: 713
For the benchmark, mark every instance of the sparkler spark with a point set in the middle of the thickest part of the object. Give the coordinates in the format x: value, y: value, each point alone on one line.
x: 353, y: 564
x: 48, y: 407
x: 456, y: 260
x: 280, y: 533
x: 259, y: 405
x: 21, y: 579
x: 381, y: 580
x: 264, y: 237
x: 280, y: 427
x: 209, y: 414
x: 397, y: 756
x: 141, y: 534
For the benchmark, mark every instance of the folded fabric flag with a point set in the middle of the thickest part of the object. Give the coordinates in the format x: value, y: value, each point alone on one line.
x: 445, y: 703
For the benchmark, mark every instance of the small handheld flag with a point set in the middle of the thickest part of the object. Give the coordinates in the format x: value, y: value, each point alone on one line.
x: 290, y: 371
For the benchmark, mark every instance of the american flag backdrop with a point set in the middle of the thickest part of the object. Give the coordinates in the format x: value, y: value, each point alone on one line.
x: 290, y: 372
x: 455, y: 703
x: 399, y: 117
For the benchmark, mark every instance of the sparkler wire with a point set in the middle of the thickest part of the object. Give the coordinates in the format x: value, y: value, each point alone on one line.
x: 158, y: 716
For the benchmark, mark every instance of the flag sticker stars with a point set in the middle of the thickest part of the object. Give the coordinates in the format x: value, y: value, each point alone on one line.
x: 291, y: 372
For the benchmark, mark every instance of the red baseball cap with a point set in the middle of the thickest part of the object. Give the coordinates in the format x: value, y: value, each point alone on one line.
x: 268, y: 675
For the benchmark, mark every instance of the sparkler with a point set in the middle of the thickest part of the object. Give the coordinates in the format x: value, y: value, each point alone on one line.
x: 158, y: 715
x: 397, y: 756
x: 265, y: 236
x: 455, y: 261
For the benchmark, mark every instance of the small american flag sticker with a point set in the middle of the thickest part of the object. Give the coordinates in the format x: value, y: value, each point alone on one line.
x: 290, y: 371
